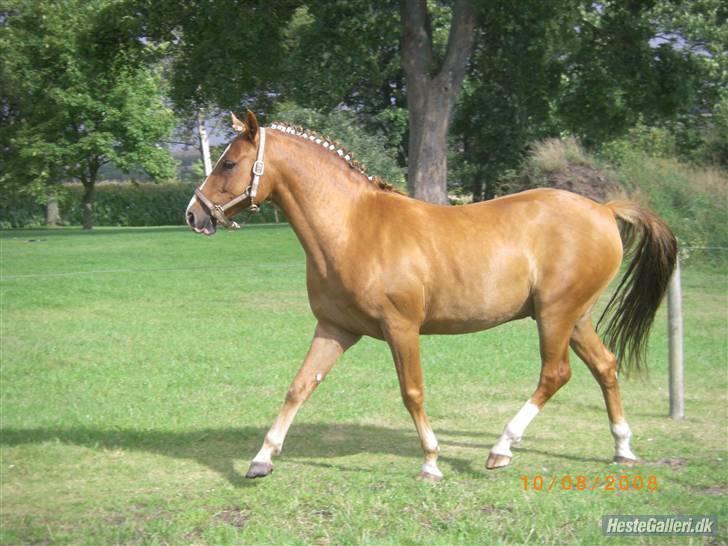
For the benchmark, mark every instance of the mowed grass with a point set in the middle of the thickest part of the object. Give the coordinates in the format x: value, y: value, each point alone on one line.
x: 141, y: 369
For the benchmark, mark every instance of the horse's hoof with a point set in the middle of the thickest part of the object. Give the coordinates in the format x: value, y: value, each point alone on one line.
x: 496, y: 460
x: 259, y: 470
x: 427, y: 477
x: 624, y: 461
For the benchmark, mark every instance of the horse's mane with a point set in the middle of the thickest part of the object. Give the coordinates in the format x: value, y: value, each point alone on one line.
x: 336, y: 148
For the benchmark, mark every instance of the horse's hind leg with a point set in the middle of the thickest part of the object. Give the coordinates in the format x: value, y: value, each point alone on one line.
x: 555, y: 372
x: 603, y: 366
x: 329, y: 342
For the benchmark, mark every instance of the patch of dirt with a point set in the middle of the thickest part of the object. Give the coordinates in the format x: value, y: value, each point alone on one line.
x: 490, y: 510
x: 586, y: 181
x: 674, y: 464
x: 713, y: 490
x: 234, y: 517
x: 136, y: 512
x: 323, y: 514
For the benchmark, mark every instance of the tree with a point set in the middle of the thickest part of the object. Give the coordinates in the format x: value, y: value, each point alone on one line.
x: 590, y: 69
x: 328, y: 55
x: 507, y: 100
x: 72, y: 103
x: 432, y: 91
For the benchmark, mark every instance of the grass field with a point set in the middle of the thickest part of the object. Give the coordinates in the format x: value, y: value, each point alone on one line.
x: 141, y: 369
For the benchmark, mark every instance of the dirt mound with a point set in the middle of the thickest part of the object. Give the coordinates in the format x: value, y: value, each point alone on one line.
x: 565, y: 165
x: 584, y: 180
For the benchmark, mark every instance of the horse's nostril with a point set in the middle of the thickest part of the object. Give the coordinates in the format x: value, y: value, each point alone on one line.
x: 191, y: 218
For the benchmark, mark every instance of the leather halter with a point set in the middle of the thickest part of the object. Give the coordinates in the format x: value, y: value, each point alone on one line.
x: 218, y: 211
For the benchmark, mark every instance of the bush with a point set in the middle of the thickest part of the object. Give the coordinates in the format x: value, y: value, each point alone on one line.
x: 23, y: 212
x: 118, y: 204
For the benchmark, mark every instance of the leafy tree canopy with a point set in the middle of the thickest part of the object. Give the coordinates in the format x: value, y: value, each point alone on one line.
x: 71, y: 102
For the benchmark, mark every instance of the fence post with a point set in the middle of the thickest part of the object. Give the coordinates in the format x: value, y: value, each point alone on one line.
x: 675, y: 337
x: 204, y: 144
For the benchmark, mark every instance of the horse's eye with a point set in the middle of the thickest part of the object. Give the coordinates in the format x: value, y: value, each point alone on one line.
x: 227, y: 164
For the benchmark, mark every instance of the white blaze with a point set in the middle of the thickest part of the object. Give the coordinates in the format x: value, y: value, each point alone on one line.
x: 194, y: 197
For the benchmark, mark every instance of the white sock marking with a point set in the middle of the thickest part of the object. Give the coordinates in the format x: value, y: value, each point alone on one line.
x: 430, y: 468
x: 515, y: 428
x: 622, y: 434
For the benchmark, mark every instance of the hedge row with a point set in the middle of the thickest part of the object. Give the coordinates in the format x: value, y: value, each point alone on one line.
x: 117, y: 204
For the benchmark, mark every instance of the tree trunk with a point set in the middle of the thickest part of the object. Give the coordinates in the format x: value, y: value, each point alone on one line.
x: 53, y: 215
x: 427, y: 169
x: 489, y: 185
x: 477, y: 188
x: 88, y: 179
x: 431, y: 96
x: 476, y: 178
x: 88, y: 204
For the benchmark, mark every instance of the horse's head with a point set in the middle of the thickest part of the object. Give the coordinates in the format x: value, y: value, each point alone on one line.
x: 234, y: 183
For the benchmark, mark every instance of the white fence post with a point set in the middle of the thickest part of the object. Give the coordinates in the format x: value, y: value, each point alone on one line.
x: 675, y: 337
x: 204, y: 144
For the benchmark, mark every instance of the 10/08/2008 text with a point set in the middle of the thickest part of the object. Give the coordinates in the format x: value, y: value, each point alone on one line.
x: 606, y: 483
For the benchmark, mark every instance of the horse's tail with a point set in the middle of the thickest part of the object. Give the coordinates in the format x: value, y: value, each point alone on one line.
x: 653, y: 251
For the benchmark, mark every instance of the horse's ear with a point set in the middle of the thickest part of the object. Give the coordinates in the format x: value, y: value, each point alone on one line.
x: 252, y: 124
x: 238, y: 125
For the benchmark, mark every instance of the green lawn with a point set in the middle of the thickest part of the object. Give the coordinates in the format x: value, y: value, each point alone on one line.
x: 141, y: 369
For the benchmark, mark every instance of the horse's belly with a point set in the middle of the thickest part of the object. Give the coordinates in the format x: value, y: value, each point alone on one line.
x: 477, y: 307
x: 474, y: 322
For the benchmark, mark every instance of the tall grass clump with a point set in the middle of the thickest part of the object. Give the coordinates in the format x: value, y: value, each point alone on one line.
x: 692, y: 199
x: 554, y: 155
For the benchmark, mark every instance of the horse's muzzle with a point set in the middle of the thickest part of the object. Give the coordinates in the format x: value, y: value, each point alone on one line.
x: 200, y: 221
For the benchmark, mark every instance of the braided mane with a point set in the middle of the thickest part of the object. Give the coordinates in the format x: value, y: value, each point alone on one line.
x: 336, y: 148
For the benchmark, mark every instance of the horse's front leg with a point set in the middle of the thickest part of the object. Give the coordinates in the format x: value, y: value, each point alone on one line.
x: 405, y: 345
x: 329, y: 342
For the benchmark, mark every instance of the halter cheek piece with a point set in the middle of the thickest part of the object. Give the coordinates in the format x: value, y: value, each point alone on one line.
x: 218, y: 211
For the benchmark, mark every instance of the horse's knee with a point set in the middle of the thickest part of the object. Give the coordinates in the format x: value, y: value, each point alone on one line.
x: 413, y: 397
x: 555, y: 377
x: 552, y: 379
x: 564, y: 373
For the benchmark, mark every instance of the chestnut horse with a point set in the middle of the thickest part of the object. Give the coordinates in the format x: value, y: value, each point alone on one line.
x: 381, y: 264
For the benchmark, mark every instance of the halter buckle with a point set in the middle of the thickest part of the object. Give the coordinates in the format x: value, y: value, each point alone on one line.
x: 219, y: 214
x: 258, y: 168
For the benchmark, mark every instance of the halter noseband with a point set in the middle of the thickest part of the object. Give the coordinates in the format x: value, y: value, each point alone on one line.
x: 218, y: 211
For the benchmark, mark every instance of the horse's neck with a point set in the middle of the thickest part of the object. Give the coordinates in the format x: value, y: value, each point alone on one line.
x: 318, y: 198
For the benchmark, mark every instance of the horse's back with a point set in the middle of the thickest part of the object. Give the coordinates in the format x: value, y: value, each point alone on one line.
x: 505, y: 259
x: 472, y: 267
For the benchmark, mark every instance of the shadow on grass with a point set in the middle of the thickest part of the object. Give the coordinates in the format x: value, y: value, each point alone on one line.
x: 220, y: 448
